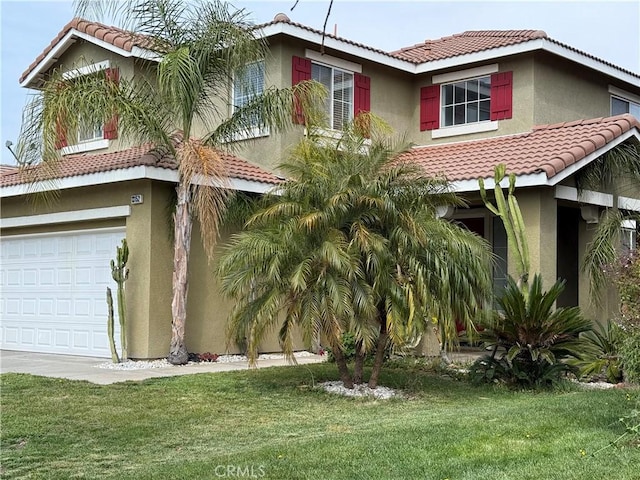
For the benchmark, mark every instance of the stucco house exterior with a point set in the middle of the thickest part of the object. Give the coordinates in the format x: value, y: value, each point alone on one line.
x: 468, y: 102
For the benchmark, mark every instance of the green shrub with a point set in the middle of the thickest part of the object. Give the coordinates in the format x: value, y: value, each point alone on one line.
x: 530, y: 340
x: 599, y: 358
x: 627, y: 279
x: 348, y: 348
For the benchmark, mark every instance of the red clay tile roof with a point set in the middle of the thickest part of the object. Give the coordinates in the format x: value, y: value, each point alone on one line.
x: 7, y: 169
x: 113, y: 35
x: 84, y: 164
x: 547, y: 148
x: 474, y: 41
x: 464, y: 43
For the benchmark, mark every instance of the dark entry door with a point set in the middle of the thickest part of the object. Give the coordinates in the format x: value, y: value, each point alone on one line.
x: 567, y: 265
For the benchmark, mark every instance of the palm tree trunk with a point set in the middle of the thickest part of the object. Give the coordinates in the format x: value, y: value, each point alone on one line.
x: 379, y: 358
x: 347, y: 381
x: 183, y: 223
x: 359, y: 364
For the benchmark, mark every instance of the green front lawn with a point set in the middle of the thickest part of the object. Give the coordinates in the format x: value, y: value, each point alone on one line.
x: 273, y: 424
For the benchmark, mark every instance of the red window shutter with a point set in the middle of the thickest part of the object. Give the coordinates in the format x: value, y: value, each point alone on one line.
x: 362, y: 94
x: 362, y: 100
x: 501, y: 95
x: 61, y: 135
x: 300, y: 71
x: 430, y: 108
x: 111, y: 126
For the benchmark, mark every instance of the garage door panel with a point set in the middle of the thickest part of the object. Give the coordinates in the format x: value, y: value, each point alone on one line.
x: 54, y: 292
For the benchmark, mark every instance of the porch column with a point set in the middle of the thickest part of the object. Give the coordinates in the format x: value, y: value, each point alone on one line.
x: 539, y: 211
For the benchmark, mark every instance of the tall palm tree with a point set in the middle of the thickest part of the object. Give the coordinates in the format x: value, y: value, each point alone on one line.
x: 352, y: 243
x: 180, y: 106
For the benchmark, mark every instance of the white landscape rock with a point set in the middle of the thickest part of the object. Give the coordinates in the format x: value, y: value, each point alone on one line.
x: 362, y: 390
x: 163, y: 363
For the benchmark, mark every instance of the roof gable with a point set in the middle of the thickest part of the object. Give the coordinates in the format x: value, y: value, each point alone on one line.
x: 121, y: 41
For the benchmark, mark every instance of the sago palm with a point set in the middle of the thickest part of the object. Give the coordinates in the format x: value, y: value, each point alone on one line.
x: 352, y: 243
x: 179, y: 105
x: 530, y: 338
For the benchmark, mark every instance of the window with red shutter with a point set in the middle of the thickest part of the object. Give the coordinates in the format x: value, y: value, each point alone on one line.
x: 430, y: 107
x: 300, y: 71
x: 501, y: 95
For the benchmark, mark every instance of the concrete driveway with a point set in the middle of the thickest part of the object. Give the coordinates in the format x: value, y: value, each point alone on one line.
x: 87, y: 368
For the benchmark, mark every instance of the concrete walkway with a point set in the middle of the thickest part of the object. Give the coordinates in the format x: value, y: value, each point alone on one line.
x: 86, y: 368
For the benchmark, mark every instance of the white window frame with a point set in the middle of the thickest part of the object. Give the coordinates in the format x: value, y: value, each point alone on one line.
x: 335, y: 64
x: 624, y: 96
x: 629, y: 234
x: 458, y: 76
x: 86, y: 144
x: 255, y: 132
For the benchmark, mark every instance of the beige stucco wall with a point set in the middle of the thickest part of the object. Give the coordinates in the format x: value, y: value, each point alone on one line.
x: 148, y: 289
x: 565, y: 92
x: 397, y: 109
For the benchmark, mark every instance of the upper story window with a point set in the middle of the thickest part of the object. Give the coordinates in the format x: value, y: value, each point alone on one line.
x: 339, y: 101
x: 624, y: 102
x: 247, y: 83
x: 621, y: 105
x: 348, y: 90
x: 466, y: 101
x: 90, y: 137
x: 89, y: 134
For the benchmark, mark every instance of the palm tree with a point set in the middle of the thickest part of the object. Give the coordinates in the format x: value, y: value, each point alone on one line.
x: 200, y: 46
x: 618, y: 171
x: 352, y: 243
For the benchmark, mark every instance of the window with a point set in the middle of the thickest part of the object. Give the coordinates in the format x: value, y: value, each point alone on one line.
x: 629, y: 234
x: 349, y: 91
x: 339, y: 102
x: 90, y: 137
x: 464, y: 102
x: 86, y: 134
x: 248, y: 83
x: 621, y: 105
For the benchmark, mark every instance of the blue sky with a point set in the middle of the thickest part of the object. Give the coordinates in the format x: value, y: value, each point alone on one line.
x: 609, y: 30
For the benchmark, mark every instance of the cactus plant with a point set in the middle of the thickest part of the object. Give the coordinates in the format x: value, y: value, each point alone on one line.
x: 509, y: 212
x: 112, y: 343
x: 120, y: 273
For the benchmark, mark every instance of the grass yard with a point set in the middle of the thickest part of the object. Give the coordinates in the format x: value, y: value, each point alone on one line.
x: 273, y: 424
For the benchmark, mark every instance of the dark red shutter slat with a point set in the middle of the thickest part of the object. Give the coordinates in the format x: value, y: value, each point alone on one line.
x: 300, y: 71
x: 501, y: 95
x: 111, y: 126
x: 430, y: 108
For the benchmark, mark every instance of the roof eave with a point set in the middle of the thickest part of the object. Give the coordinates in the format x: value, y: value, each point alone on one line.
x: 336, y: 44
x: 121, y: 175
x: 434, y: 65
x: 530, y: 46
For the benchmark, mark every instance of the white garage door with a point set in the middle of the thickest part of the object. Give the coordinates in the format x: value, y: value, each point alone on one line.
x: 53, y: 297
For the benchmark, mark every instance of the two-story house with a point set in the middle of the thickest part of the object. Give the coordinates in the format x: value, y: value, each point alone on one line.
x: 468, y: 102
